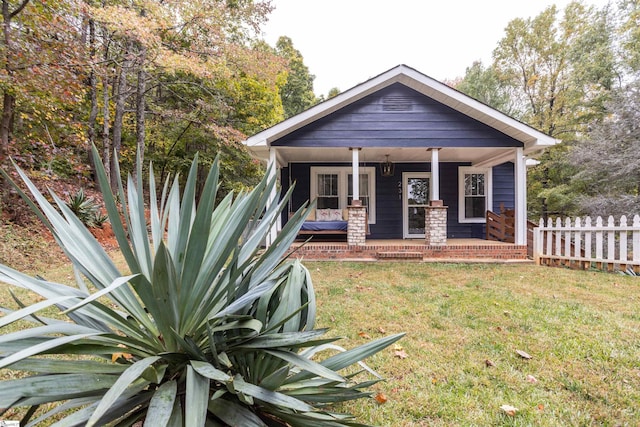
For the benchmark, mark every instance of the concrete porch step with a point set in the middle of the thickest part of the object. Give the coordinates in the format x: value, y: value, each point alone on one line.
x: 399, y: 255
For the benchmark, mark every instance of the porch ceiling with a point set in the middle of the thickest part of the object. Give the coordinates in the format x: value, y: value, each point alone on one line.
x: 485, y: 156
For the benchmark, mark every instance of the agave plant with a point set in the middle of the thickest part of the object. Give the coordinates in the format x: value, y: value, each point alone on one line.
x: 86, y: 209
x: 206, y: 328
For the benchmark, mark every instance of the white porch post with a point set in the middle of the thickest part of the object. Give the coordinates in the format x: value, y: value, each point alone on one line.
x: 521, y: 198
x: 272, y: 167
x: 434, y: 188
x: 355, y: 164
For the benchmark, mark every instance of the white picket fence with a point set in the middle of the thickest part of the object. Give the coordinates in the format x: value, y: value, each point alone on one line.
x: 582, y: 244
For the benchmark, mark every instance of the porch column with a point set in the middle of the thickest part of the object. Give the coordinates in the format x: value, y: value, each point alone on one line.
x: 357, y: 220
x: 435, y: 223
x: 272, y: 168
x: 434, y: 188
x: 521, y: 198
x: 355, y: 164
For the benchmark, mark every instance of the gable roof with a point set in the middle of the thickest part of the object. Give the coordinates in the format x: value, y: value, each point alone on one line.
x: 532, y: 139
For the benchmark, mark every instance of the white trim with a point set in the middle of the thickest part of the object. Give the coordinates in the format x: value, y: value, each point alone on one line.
x: 520, y: 173
x: 343, y: 183
x: 434, y: 184
x: 355, y: 167
x: 405, y: 201
x: 462, y: 171
x: 272, y: 169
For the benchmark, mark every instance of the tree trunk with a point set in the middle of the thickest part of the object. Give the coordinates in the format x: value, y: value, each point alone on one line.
x: 8, y: 103
x: 120, y: 98
x: 140, y: 113
x: 106, y: 141
x: 93, y: 94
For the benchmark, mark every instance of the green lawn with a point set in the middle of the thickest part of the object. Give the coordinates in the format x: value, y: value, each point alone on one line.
x: 582, y: 330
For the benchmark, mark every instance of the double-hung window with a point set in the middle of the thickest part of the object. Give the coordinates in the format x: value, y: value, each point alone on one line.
x: 474, y: 194
x: 332, y: 188
x: 327, y: 195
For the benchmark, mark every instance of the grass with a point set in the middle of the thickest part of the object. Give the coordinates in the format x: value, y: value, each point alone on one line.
x: 582, y: 330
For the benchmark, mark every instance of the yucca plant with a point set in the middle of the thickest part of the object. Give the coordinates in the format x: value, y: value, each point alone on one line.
x: 86, y: 209
x: 206, y: 328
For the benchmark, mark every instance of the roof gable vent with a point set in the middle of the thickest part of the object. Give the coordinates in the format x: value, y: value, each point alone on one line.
x: 397, y: 103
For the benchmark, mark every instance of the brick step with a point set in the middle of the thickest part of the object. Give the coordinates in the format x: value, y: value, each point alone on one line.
x: 404, y: 255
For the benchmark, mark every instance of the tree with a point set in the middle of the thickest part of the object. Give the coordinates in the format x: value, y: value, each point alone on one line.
x: 297, y: 93
x: 608, y: 176
x: 484, y: 84
x: 185, y: 69
x: 41, y: 56
x: 630, y: 34
x: 562, y: 71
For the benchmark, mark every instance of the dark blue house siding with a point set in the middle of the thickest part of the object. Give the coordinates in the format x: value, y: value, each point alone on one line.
x: 389, y: 201
x: 397, y: 116
x: 504, y: 186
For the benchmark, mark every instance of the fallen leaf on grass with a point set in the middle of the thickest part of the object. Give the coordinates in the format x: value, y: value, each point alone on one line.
x: 509, y: 410
x: 381, y: 330
x: 532, y: 379
x: 400, y: 354
x: 523, y: 354
x: 381, y: 398
x: 364, y: 335
x: 489, y: 363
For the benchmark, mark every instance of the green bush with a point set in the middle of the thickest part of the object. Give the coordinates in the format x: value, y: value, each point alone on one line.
x: 86, y: 209
x: 209, y: 328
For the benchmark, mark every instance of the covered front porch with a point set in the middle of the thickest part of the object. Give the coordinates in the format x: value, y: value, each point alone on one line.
x: 454, y: 250
x: 423, y: 197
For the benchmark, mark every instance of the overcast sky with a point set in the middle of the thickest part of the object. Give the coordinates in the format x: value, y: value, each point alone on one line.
x: 345, y: 42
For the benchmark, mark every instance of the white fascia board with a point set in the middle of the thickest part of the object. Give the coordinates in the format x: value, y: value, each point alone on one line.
x: 495, y: 160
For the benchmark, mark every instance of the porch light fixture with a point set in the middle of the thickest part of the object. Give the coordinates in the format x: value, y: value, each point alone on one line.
x: 387, y: 168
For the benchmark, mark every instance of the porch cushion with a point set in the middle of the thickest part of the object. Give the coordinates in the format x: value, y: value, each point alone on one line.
x: 335, y: 214
x: 323, y: 215
x: 328, y: 215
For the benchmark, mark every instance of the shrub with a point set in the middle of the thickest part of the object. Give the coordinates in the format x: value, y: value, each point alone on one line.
x: 86, y: 209
x: 209, y: 328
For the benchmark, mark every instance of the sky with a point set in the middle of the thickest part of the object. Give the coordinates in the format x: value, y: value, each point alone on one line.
x: 346, y: 42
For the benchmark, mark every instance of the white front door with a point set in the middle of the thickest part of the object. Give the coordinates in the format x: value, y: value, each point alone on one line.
x: 415, y: 198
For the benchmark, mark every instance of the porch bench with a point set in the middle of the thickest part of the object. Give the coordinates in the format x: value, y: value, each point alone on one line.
x: 338, y: 227
x: 323, y: 227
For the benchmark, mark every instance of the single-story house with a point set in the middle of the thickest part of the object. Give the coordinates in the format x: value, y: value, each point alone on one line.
x: 404, y: 156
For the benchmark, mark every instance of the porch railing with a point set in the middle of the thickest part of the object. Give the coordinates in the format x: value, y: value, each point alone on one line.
x: 584, y: 244
x: 501, y: 227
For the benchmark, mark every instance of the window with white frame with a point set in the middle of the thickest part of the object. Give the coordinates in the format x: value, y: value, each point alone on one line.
x: 474, y: 194
x: 332, y: 188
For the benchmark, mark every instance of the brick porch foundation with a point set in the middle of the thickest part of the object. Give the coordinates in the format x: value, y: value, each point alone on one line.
x: 459, y: 252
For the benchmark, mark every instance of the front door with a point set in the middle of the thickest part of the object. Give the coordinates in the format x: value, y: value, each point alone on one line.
x: 415, y: 198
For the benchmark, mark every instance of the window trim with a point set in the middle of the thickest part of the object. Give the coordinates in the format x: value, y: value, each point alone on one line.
x: 488, y: 182
x: 343, y: 182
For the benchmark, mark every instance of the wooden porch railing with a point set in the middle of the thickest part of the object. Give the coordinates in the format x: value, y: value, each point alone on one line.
x: 501, y: 228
